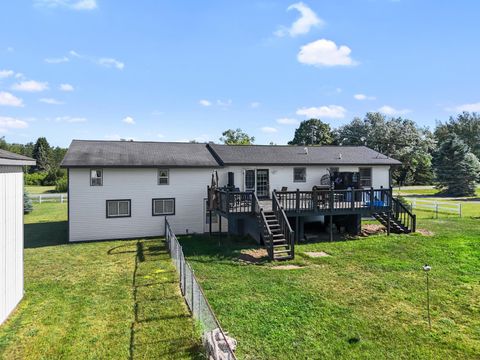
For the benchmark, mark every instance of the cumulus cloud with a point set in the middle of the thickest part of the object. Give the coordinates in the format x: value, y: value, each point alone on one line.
x: 6, y: 73
x: 473, y: 107
x: 327, y: 111
x: 325, y: 53
x: 111, y: 62
x: 68, y: 4
x: 70, y: 119
x: 388, y: 110
x: 268, y: 129
x: 66, y: 87
x: 50, y: 101
x: 30, y: 86
x: 205, y: 102
x: 307, y: 20
x: 128, y: 120
x: 118, y: 137
x: 362, y: 97
x: 288, y: 121
x: 7, y: 123
x: 8, y: 99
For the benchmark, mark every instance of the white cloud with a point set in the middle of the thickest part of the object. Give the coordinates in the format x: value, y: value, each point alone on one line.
x: 327, y: 111
x: 59, y: 60
x: 111, y: 62
x: 288, y: 121
x: 6, y: 73
x: 268, y: 129
x: 128, y: 120
x: 325, y: 53
x: 302, y: 25
x: 50, y: 101
x: 118, y: 137
x: 68, y: 4
x: 363, y: 97
x: 30, y: 86
x: 7, y: 123
x: 204, y: 102
x: 70, y: 119
x: 224, y: 103
x: 388, y: 110
x: 66, y: 87
x: 473, y: 107
x: 8, y: 99
x: 254, y: 104
x: 10, y: 49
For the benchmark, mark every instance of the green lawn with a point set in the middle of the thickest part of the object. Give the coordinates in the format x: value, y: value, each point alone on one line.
x: 102, y: 300
x: 365, y: 301
x: 34, y: 189
x: 421, y: 190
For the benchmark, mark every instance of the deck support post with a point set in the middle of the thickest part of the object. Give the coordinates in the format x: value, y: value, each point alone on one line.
x: 220, y: 226
x: 331, y: 227
x: 389, y: 214
x: 297, y: 230
x: 210, y: 224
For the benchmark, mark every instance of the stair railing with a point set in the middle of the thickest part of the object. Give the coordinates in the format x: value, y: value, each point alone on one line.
x: 402, y: 214
x: 284, y: 223
x: 262, y: 221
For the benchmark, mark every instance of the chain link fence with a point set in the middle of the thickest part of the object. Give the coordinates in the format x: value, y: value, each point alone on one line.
x: 218, y: 345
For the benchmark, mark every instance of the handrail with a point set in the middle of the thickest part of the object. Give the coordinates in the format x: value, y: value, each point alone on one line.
x: 284, y: 223
x: 258, y: 211
x: 404, y: 215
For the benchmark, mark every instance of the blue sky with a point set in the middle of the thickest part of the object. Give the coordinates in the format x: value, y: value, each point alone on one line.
x: 182, y: 70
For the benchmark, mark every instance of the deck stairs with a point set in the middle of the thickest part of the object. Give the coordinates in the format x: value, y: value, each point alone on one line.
x: 280, y: 247
x: 402, y: 220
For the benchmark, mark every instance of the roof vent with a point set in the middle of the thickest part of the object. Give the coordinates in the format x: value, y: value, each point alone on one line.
x: 305, y: 150
x: 340, y: 156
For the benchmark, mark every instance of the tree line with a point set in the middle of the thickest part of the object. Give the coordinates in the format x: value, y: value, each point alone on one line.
x: 448, y: 156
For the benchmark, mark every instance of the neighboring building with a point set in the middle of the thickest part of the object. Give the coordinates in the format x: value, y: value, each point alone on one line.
x: 11, y: 230
x: 124, y: 189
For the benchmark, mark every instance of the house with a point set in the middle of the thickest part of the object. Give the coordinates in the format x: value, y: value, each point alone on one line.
x: 124, y: 189
x: 11, y: 230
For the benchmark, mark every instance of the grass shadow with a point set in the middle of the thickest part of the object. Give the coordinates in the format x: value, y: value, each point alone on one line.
x: 46, y: 234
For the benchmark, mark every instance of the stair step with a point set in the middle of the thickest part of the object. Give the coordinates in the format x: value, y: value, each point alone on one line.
x: 278, y: 241
x: 276, y: 236
x: 282, y: 251
x: 280, y: 246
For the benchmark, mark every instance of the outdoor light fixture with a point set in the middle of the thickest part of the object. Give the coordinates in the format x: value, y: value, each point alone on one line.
x: 427, y: 269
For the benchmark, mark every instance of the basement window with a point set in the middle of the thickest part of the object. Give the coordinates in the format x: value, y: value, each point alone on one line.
x: 163, y: 177
x: 96, y: 177
x: 163, y: 207
x: 365, y: 177
x: 118, y: 208
x: 300, y: 174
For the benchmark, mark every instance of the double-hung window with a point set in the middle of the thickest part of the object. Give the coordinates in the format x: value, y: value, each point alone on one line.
x: 365, y: 176
x: 96, y: 177
x: 163, y: 207
x: 299, y: 174
x: 163, y: 177
x: 118, y: 208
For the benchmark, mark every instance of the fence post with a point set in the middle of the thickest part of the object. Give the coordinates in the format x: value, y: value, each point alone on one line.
x: 39, y: 199
x: 61, y: 198
x: 436, y: 209
x: 193, y: 292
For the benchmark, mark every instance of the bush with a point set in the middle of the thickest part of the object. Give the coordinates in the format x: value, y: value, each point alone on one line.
x: 27, y: 203
x: 61, y: 185
x: 36, y: 178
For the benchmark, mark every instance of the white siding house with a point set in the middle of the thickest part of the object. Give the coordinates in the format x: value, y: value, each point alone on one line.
x: 124, y: 189
x: 11, y: 231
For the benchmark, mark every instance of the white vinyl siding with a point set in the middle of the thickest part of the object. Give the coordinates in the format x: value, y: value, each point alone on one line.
x: 11, y: 239
x: 163, y: 207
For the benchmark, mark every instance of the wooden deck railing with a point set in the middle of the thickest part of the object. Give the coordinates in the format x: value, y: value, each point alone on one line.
x: 404, y: 215
x: 284, y: 223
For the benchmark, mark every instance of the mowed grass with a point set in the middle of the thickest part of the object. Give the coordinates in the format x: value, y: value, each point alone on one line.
x: 101, y: 300
x: 37, y: 189
x: 365, y: 301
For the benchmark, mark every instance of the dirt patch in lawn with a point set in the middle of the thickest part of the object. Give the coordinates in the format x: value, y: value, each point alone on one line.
x: 425, y: 232
x: 316, y: 254
x: 287, y: 267
x: 253, y: 256
x: 372, y: 229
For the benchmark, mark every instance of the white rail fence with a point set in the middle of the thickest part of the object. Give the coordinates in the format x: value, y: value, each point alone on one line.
x: 437, y: 207
x: 42, y: 198
x: 218, y: 345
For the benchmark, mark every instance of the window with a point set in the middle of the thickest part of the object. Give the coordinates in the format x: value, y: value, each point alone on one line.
x: 249, y: 179
x: 96, y: 177
x: 365, y: 176
x: 299, y: 174
x: 163, y: 178
x: 163, y: 207
x: 334, y: 170
x: 118, y: 208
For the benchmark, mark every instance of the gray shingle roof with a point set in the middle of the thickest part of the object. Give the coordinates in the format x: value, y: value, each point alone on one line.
x: 295, y: 155
x: 9, y: 158
x: 86, y: 153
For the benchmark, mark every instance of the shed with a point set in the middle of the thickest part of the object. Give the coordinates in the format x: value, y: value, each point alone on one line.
x: 11, y: 230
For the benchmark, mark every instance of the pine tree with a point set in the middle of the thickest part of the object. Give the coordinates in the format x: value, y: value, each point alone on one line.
x: 457, y: 169
x: 42, y: 152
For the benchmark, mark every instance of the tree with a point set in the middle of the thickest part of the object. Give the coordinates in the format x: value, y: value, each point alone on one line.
x: 236, y: 137
x: 457, y: 169
x: 43, y: 154
x: 399, y: 138
x: 466, y: 126
x: 312, y: 132
x: 27, y: 203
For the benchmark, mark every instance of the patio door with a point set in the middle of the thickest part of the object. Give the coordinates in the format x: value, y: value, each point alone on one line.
x: 249, y: 180
x: 263, y: 183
